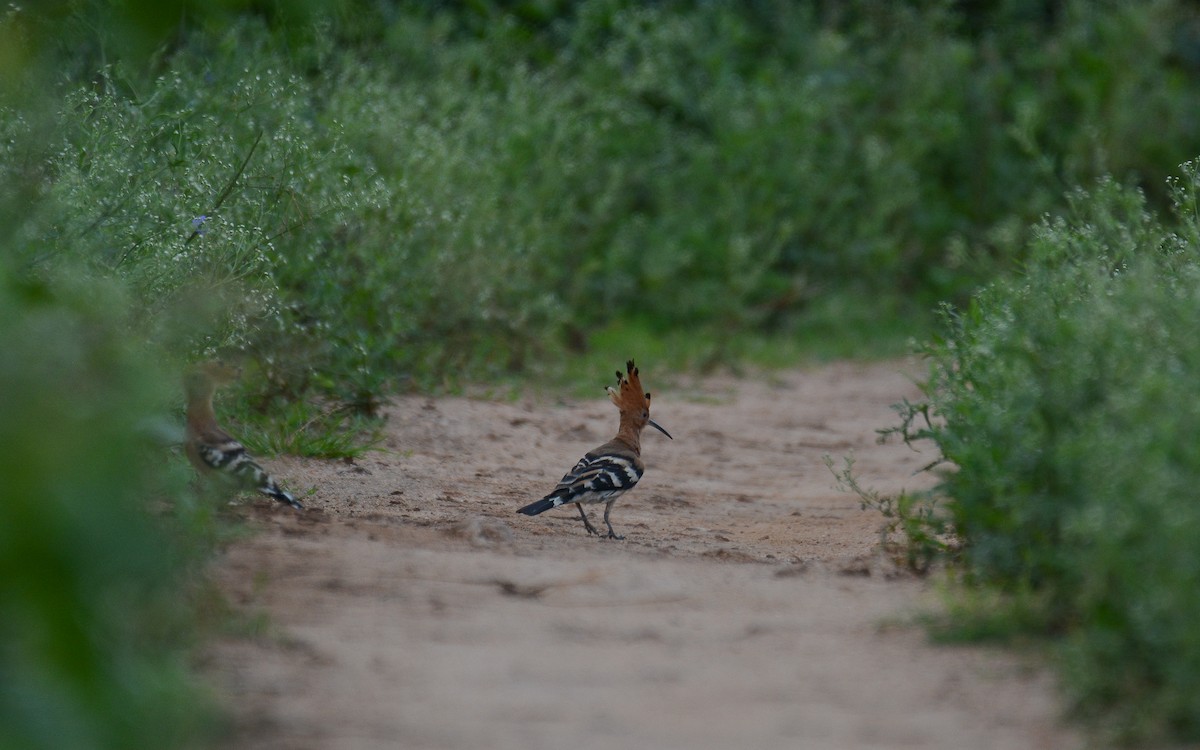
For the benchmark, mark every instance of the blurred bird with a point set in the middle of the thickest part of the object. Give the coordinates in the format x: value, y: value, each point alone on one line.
x: 606, y: 473
x: 212, y: 450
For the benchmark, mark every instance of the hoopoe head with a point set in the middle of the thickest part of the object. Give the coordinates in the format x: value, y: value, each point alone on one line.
x: 632, y: 401
x: 202, y: 379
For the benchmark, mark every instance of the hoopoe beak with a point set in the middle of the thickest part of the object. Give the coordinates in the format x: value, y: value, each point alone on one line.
x: 658, y: 427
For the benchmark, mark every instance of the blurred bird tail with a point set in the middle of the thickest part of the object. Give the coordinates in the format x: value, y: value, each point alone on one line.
x: 273, y: 491
x: 541, y: 506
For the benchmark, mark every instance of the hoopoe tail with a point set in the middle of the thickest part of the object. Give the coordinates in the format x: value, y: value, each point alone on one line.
x: 273, y: 491
x: 254, y: 476
x: 541, y: 506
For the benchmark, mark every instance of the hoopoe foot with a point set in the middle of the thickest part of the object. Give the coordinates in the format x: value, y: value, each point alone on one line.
x: 591, y: 530
x: 611, y: 534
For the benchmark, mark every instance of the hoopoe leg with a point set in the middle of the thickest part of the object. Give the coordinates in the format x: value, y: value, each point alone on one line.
x: 586, y: 523
x: 607, y: 509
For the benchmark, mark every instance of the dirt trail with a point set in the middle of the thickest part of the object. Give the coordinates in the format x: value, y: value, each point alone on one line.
x: 410, y: 607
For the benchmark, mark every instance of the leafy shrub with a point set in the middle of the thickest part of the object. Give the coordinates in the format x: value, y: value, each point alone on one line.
x: 404, y: 195
x: 94, y: 615
x: 1062, y: 398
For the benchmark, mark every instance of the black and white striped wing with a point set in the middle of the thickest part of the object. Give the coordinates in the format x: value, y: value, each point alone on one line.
x: 598, y: 477
x: 225, y: 456
x: 229, y: 458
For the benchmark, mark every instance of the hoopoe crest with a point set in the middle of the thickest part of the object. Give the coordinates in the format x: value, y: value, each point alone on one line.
x: 213, y: 451
x: 606, y: 473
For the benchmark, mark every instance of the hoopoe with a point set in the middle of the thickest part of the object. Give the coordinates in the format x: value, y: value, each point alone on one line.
x: 212, y: 450
x: 606, y: 473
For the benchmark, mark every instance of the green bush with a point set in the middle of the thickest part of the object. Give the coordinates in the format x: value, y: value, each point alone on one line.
x: 1063, y: 400
x: 94, y: 611
x: 406, y: 195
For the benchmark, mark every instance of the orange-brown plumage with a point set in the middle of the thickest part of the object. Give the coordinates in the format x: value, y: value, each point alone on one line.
x: 634, y: 406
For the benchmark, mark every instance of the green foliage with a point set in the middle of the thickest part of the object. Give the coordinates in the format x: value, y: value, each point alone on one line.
x: 93, y: 619
x: 1063, y: 399
x: 303, y: 428
x: 515, y: 178
x: 923, y: 526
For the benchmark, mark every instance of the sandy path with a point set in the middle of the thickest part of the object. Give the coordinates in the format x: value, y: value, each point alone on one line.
x: 748, y: 607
